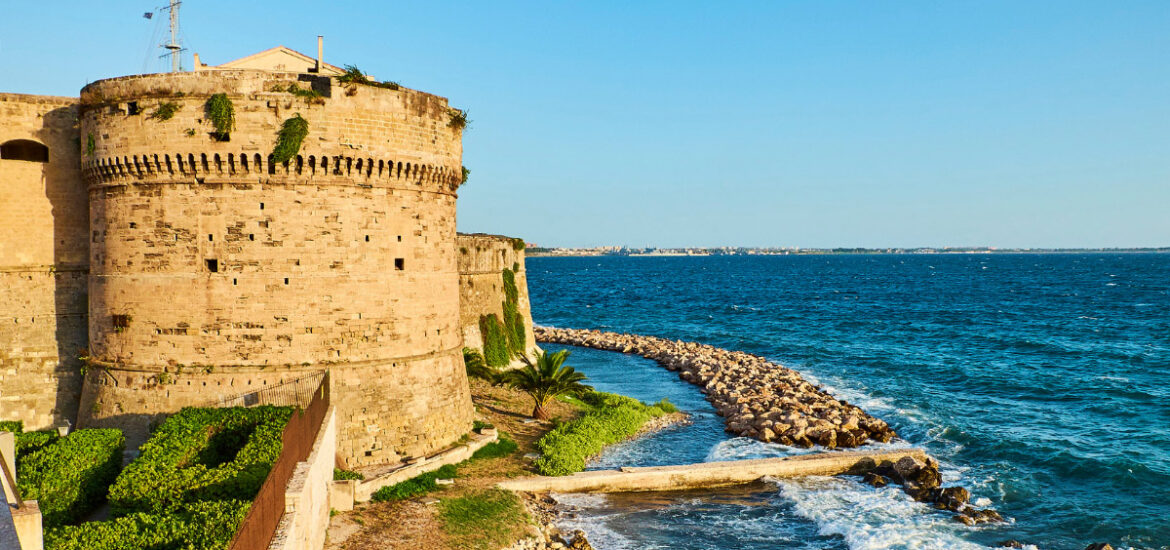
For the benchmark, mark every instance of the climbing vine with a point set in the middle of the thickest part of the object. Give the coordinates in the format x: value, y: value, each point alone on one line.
x: 495, y: 341
x: 288, y: 140
x: 89, y: 145
x: 513, y: 320
x: 222, y: 114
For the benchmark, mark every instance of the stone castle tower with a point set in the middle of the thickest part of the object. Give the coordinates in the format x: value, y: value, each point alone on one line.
x: 204, y: 270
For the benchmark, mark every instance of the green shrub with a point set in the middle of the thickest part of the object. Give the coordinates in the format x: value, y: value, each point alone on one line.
x: 14, y: 426
x: 165, y: 111
x: 478, y: 425
x: 345, y: 475
x: 566, y: 448
x: 485, y: 520
x: 457, y: 119
x: 201, y: 454
x: 288, y: 140
x: 503, y: 447
x: 495, y: 341
x: 518, y: 244
x: 415, y: 486
x: 354, y: 75
x: 466, y: 174
x: 69, y: 476
x: 222, y: 114
x: 310, y: 96
x: 28, y: 442
x: 201, y: 526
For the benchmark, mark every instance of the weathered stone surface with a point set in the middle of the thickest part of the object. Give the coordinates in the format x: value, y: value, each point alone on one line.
x: 482, y: 261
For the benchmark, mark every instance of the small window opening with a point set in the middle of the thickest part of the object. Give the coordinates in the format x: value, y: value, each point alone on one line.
x: 233, y: 282
x: 367, y: 238
x: 133, y: 225
x: 262, y: 206
x: 120, y: 321
x: 399, y: 263
x: 251, y: 236
x: 286, y: 280
x: 213, y: 266
x: 132, y: 108
x: 221, y: 137
x: 210, y: 237
x: 400, y: 238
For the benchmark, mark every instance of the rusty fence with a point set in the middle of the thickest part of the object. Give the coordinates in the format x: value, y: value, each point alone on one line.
x: 263, y: 518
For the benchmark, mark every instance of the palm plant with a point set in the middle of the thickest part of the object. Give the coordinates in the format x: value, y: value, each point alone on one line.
x: 545, y: 379
x: 477, y: 367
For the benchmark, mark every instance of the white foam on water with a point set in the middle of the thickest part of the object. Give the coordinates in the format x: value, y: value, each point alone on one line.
x: 872, y: 519
x: 743, y: 448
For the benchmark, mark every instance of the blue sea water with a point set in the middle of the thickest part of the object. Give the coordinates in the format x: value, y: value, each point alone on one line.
x: 1041, y: 382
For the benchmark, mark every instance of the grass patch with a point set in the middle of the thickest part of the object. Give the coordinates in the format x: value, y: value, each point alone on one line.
x: 415, y: 486
x: 485, y: 520
x: 310, y: 96
x: 612, y: 418
x: 505, y: 446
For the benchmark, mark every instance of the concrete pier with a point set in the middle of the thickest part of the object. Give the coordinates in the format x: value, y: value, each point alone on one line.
x: 710, y: 474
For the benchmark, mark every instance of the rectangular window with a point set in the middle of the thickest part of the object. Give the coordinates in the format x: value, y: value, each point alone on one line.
x: 399, y: 263
x: 213, y: 266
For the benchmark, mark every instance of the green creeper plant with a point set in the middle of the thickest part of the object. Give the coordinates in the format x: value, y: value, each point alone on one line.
x: 288, y: 140
x: 222, y: 114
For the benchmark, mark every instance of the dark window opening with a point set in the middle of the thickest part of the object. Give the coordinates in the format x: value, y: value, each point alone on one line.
x: 286, y: 280
x: 251, y: 236
x: 262, y: 206
x: 233, y: 282
x: 221, y: 137
x: 133, y: 225
x: 367, y: 238
x: 400, y: 238
x: 120, y: 321
x: 24, y: 149
x: 213, y: 266
x: 132, y: 108
x: 399, y: 263
x: 210, y: 237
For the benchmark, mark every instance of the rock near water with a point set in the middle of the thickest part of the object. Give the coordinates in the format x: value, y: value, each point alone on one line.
x: 757, y: 398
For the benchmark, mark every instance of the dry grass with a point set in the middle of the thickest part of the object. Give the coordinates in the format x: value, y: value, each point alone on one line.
x: 411, y: 524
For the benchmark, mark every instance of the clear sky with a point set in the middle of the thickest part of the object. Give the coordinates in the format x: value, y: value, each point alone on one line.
x: 673, y: 123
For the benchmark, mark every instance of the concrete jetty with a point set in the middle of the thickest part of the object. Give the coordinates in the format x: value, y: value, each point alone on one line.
x: 711, y: 474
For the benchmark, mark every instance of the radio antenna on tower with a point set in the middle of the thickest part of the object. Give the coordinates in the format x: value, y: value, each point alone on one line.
x: 173, y: 47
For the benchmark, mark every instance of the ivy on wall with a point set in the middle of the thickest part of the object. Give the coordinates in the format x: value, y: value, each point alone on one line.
x: 495, y: 340
x: 288, y: 140
x: 222, y: 114
x: 513, y: 320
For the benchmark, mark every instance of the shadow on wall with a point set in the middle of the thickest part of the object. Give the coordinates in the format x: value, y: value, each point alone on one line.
x: 69, y: 200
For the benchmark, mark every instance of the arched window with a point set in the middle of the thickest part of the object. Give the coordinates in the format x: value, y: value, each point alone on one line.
x: 24, y: 149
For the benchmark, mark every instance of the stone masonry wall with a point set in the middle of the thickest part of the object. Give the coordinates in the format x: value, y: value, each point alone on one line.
x: 482, y: 260
x: 44, y: 255
x: 215, y: 271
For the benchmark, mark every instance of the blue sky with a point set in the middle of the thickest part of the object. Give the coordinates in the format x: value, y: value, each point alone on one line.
x: 728, y: 123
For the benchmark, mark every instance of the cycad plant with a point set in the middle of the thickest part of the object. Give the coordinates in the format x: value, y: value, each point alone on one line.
x: 477, y: 367
x: 545, y: 379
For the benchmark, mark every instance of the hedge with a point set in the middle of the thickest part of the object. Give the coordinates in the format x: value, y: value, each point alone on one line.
x: 415, y: 486
x: 14, y: 426
x: 201, y: 454
x: 613, y: 418
x: 29, y: 442
x: 201, y: 526
x: 69, y: 476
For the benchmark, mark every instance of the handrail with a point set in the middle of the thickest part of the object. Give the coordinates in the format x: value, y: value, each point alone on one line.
x: 11, y: 478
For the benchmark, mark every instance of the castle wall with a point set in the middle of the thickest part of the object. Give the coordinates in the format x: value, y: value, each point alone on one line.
x: 482, y: 261
x: 216, y: 271
x: 44, y: 255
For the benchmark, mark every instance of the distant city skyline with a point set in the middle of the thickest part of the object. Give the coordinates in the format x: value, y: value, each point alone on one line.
x: 687, y: 124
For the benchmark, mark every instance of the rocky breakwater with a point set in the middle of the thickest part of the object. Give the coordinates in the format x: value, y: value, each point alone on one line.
x: 757, y: 398
x: 923, y: 482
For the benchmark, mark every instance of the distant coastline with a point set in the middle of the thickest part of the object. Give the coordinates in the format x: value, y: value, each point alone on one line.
x: 652, y: 252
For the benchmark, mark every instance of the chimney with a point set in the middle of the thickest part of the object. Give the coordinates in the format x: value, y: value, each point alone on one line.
x: 197, y: 64
x: 320, y: 52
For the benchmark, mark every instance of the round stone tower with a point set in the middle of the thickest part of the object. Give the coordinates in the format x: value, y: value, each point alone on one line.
x: 217, y: 272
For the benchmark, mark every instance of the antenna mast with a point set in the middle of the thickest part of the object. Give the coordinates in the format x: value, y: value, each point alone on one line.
x: 173, y: 47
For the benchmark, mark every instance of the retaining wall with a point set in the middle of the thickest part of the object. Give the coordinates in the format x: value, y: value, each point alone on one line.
x: 482, y: 261
x: 306, y: 509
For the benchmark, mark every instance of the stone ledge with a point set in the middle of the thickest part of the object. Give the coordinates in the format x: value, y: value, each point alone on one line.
x: 364, y: 490
x: 709, y: 474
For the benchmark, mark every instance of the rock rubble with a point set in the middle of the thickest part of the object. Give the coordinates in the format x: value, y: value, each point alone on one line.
x: 757, y: 398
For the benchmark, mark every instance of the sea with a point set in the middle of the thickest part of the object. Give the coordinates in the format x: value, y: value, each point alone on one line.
x: 1041, y: 382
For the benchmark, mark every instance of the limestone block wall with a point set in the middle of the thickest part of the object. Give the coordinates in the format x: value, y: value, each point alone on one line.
x: 215, y: 270
x: 482, y: 261
x: 44, y: 255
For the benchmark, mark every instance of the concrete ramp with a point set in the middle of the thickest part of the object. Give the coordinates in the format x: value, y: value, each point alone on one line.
x: 710, y: 474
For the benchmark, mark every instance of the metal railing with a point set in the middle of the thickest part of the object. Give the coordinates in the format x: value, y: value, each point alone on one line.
x: 294, y: 393
x: 263, y: 518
